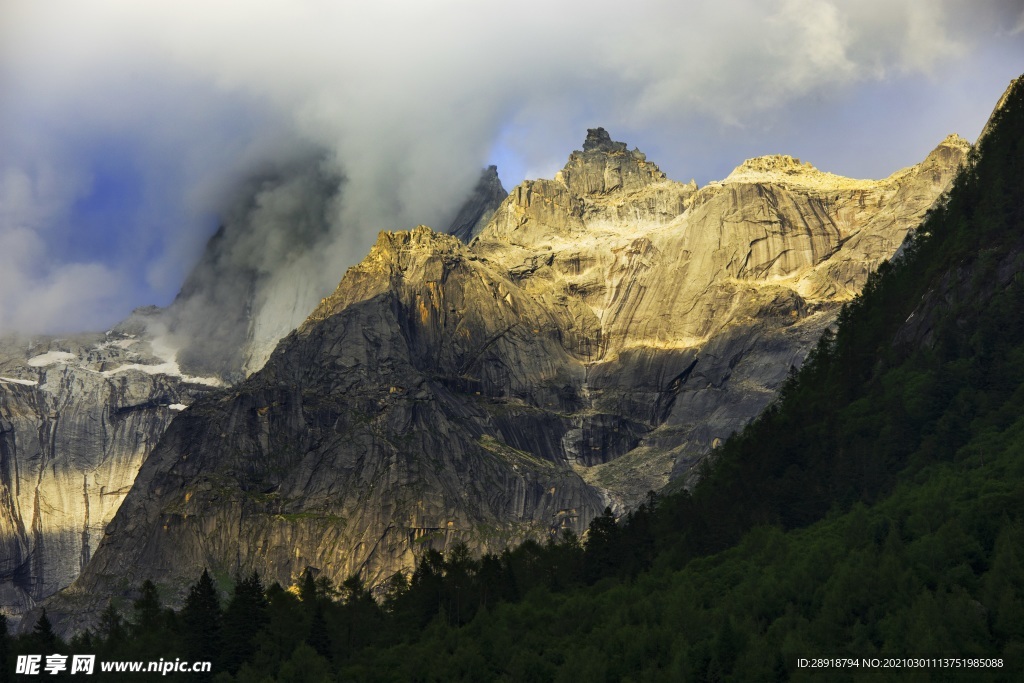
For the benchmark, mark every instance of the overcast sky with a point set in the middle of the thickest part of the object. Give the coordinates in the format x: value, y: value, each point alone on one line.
x: 125, y: 125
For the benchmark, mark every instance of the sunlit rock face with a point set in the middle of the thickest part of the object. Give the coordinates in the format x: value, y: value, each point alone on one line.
x: 78, y: 416
x: 597, y: 337
x: 695, y: 303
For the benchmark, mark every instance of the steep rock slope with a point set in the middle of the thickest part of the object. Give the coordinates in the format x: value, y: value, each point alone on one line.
x: 606, y: 327
x: 78, y: 416
x: 369, y: 435
x: 478, y: 208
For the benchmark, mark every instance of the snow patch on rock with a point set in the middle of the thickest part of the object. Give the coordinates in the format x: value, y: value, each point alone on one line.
x: 51, y: 358
x: 26, y: 382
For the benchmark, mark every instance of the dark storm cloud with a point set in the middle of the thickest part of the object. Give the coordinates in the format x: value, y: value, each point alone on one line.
x: 410, y: 99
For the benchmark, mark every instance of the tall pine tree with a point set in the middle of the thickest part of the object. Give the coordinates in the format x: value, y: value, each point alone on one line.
x: 245, y: 615
x: 44, y: 639
x: 201, y: 622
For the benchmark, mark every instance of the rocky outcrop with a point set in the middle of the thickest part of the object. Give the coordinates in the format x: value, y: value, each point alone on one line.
x: 419, y: 405
x: 479, y: 206
x: 599, y: 336
x: 78, y: 417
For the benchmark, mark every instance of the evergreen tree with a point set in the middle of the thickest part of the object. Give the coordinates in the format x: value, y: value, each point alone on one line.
x: 353, y: 590
x: 305, y: 666
x: 427, y: 588
x: 319, y: 638
x: 245, y: 615
x: 43, y: 637
x: 602, y: 546
x: 394, y: 589
x: 153, y: 628
x: 201, y: 622
x: 112, y: 628
x: 308, y: 589
x: 147, y: 609
x: 83, y: 642
x: 358, y: 620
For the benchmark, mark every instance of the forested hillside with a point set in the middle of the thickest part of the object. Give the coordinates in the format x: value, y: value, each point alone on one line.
x: 874, y: 510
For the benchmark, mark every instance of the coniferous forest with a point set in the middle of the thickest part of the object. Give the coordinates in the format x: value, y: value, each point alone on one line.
x: 875, y: 510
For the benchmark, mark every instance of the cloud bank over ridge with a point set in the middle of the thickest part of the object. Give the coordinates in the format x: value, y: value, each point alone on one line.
x: 125, y: 125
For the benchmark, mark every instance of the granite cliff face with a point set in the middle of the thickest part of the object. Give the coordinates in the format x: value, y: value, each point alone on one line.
x: 697, y: 302
x: 78, y: 417
x: 596, y: 338
x: 372, y: 433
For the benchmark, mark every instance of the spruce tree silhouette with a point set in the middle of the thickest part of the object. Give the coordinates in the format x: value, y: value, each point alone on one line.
x: 201, y: 622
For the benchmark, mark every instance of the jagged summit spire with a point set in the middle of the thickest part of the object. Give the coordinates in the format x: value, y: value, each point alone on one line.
x: 479, y: 206
x: 598, y: 140
x: 606, y: 165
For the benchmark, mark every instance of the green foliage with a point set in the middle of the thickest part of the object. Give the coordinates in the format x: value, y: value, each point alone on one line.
x: 147, y: 610
x: 304, y: 666
x: 201, y: 622
x: 112, y: 628
x: 43, y: 637
x: 245, y: 615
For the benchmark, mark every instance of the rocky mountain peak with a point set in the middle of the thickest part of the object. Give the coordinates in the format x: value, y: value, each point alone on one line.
x: 949, y: 153
x: 419, y: 239
x: 953, y: 149
x: 603, y: 184
x: 1014, y: 84
x: 774, y: 163
x: 599, y: 140
x: 606, y: 166
x: 414, y: 254
x: 395, y: 253
x: 787, y: 171
x: 600, y: 335
x: 954, y: 140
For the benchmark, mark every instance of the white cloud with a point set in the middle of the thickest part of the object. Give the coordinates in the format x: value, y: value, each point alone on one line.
x: 811, y: 49
x: 40, y: 297
x: 1018, y: 27
x: 928, y: 42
